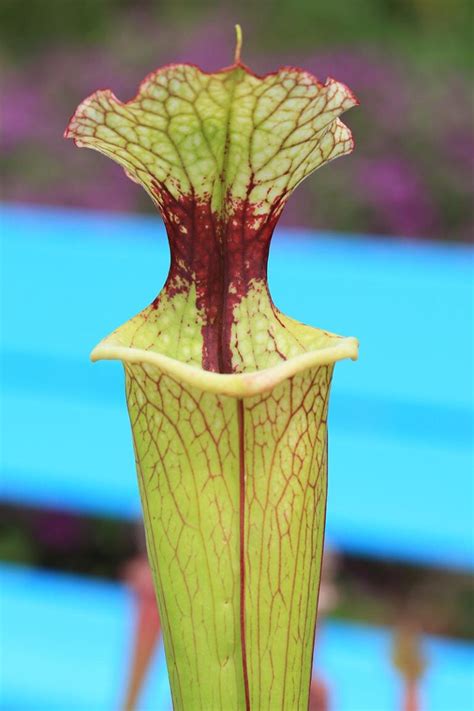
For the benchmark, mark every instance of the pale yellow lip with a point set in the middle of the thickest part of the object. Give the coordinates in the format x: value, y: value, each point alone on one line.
x: 239, y: 385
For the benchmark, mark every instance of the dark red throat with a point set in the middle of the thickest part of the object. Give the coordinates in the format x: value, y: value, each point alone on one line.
x: 221, y: 256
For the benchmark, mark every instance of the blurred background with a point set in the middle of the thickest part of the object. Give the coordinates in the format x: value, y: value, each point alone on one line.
x: 408, y: 61
x: 408, y: 185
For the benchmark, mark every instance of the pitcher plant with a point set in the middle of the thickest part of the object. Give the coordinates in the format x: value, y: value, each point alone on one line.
x: 227, y: 396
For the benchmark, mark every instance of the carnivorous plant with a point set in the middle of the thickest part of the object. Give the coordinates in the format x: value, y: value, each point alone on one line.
x: 227, y: 396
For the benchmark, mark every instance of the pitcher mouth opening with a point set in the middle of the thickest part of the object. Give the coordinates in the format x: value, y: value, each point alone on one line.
x: 238, y: 385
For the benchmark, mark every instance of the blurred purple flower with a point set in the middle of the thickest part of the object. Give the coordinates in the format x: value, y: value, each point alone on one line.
x: 208, y: 46
x: 24, y: 113
x: 397, y: 196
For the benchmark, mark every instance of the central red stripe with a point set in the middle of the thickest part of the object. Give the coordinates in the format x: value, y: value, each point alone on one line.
x: 243, y: 644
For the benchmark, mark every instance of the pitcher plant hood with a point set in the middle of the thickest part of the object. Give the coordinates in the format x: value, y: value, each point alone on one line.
x: 219, y: 154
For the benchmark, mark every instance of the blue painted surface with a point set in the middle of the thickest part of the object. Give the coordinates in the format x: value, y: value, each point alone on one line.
x: 401, y: 418
x: 66, y: 640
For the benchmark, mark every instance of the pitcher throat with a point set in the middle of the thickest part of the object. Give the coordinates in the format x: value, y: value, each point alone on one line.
x: 223, y: 259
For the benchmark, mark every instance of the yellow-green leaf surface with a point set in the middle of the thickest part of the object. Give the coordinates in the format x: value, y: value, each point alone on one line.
x: 227, y: 396
x: 234, y: 496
